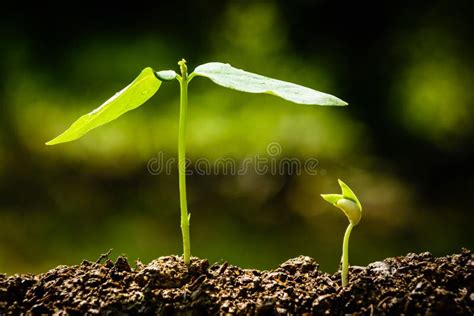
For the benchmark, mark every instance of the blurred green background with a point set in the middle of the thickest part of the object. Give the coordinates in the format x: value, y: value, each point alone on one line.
x: 404, y: 144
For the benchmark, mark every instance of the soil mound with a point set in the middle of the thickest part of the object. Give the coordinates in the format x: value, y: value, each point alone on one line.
x: 411, y: 284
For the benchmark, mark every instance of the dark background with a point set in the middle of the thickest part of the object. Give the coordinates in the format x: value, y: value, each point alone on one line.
x: 404, y: 144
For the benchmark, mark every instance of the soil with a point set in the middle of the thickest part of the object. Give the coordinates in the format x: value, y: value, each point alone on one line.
x: 411, y: 284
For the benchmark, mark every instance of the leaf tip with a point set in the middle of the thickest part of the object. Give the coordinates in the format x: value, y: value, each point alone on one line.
x: 58, y: 140
x: 324, y: 196
x: 338, y: 102
x: 332, y: 198
x: 51, y: 142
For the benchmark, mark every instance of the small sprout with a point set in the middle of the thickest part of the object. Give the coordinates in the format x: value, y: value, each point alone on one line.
x: 147, y: 84
x: 350, y: 205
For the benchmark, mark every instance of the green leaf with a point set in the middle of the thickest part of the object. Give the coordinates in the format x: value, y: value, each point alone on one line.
x: 348, y: 193
x: 332, y: 198
x: 227, y: 76
x: 127, y: 99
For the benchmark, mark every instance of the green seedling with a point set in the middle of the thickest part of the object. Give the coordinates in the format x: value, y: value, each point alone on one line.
x: 350, y: 205
x: 147, y: 84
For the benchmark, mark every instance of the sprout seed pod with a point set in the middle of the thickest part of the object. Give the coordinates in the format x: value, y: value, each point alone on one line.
x: 351, y: 209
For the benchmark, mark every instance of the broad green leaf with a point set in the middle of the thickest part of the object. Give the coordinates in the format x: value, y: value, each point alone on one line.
x: 348, y: 193
x: 227, y: 76
x: 127, y: 99
x: 332, y: 198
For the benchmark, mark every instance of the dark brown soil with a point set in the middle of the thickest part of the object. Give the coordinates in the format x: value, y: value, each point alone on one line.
x: 413, y: 284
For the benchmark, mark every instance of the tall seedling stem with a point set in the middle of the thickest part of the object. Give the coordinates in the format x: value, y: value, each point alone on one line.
x: 183, y: 109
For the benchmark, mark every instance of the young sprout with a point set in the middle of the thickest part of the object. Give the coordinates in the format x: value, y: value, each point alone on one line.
x: 147, y: 84
x: 350, y: 205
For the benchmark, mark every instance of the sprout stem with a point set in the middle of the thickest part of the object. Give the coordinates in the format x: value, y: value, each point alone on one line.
x: 345, y: 255
x: 183, y: 84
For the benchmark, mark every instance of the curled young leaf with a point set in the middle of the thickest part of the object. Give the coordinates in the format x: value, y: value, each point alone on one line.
x: 127, y: 99
x: 348, y: 193
x: 237, y: 79
x: 346, y: 202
